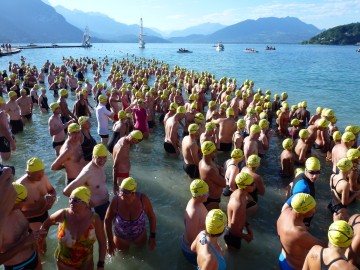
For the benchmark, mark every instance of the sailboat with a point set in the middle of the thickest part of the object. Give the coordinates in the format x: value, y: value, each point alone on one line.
x: 86, y: 38
x: 141, y: 35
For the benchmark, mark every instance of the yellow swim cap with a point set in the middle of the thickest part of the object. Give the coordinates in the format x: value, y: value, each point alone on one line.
x: 192, y: 97
x: 333, y: 120
x: 256, y: 96
x: 21, y: 191
x: 250, y: 111
x: 298, y: 171
x: 243, y: 180
x: 303, y: 203
x: 323, y: 123
x: 210, y: 126
x: 337, y: 136
x: 181, y: 110
x: 137, y: 135
x: 353, y: 129
x: 223, y: 106
x: 287, y: 144
x: 228, y: 97
x: 241, y: 123
x: 129, y: 184
x: 83, y: 193
x: 344, y: 165
x: 194, y: 105
x: 207, y: 148
x: 199, y: 118
x: 312, y: 164
x: 255, y: 129
x: 34, y: 165
x: 348, y: 136
x: 319, y: 110
x: 284, y: 104
x: 263, y: 115
x: 82, y: 120
x: 230, y: 112
x: 340, y: 234
x: 238, y: 93
x: 211, y: 104
x: 12, y: 94
x: 100, y: 150
x: 284, y: 95
x: 102, y: 98
x: 121, y: 114
x: 193, y: 128
x: 263, y: 123
x: 54, y: 106
x: 215, y: 222
x: 304, y: 133
x: 328, y: 112
x: 129, y: 115
x: 258, y: 109
x: 237, y: 154
x: 199, y: 188
x: 253, y: 161
x: 173, y: 106
x: 295, y: 122
x: 63, y: 92
x: 294, y: 107
x: 23, y: 90
x: 353, y: 154
x: 73, y: 128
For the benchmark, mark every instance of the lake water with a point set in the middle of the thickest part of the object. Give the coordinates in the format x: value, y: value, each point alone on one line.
x: 321, y: 75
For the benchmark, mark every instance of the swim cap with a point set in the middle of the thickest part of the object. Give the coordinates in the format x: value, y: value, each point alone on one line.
x: 210, y: 126
x: 102, y: 98
x: 312, y: 164
x: 228, y: 97
x: 328, y: 112
x: 323, y: 123
x: 237, y: 154
x: 318, y: 110
x: 73, y: 128
x: 258, y: 109
x: 333, y: 120
x: 250, y: 111
x: 263, y: 123
x: 199, y: 188
x: 337, y: 136
x: 173, y: 106
x: 241, y: 123
x: 21, y: 191
x: 83, y: 193
x: 243, y: 180
x: 207, y: 148
x: 23, y: 90
x: 34, y: 164
x: 238, y: 93
x: 82, y: 120
x: 304, y: 134
x: 304, y: 104
x: 63, y: 92
x: 193, y: 128
x: 253, y: 161
x: 129, y: 184
x: 287, y: 144
x: 255, y: 129
x: 215, y: 222
x: 348, y: 136
x: 12, y: 94
x: 353, y: 154
x: 192, y: 97
x: 2, y: 100
x: 137, y: 135
x: 199, y: 118
x: 267, y: 92
x: 100, y: 150
x: 54, y: 106
x: 298, y: 171
x: 344, y: 165
x: 129, y: 115
x: 303, y: 203
x: 354, y: 129
x: 121, y: 114
x: 285, y: 105
x: 181, y: 110
x: 223, y: 106
x: 340, y: 234
x: 284, y: 95
x: 256, y: 97
x: 276, y: 96
x: 295, y: 122
x: 294, y: 107
x: 211, y: 104
x: 194, y: 105
x: 230, y: 112
x: 263, y: 115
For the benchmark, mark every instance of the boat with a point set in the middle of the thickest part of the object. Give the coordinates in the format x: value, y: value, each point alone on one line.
x: 141, y: 35
x: 219, y: 47
x: 86, y: 39
x: 31, y: 45
x: 250, y: 50
x: 270, y: 48
x: 358, y: 50
x: 182, y: 50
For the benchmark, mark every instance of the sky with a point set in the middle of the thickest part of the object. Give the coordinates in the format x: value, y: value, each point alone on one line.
x: 170, y: 15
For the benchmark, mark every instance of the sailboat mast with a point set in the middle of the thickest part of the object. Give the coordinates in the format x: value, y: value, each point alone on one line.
x: 141, y: 35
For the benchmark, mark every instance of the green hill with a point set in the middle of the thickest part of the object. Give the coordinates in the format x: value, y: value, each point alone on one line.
x: 348, y: 34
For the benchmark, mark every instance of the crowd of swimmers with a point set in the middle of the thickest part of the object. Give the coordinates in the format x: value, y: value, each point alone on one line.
x: 213, y: 115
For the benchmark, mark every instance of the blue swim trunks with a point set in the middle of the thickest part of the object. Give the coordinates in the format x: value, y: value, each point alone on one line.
x: 283, y: 263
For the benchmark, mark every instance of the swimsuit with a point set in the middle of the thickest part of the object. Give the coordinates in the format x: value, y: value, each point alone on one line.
x: 227, y: 192
x: 40, y: 218
x: 4, y: 145
x: 169, y: 148
x: 87, y: 147
x: 72, y: 252
x: 113, y: 140
x: 335, y: 208
x: 221, y: 260
x: 192, y: 170
x: 101, y: 210
x: 189, y: 255
x: 129, y: 230
x: 16, y: 126
x: 327, y: 266
x: 211, y: 200
x: 123, y: 174
x: 284, y: 265
x: 56, y: 144
x: 253, y: 202
x: 231, y: 239
x: 27, y: 116
x: 226, y: 147
x: 30, y: 263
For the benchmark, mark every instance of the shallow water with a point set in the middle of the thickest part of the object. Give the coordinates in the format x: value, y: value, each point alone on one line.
x: 321, y: 75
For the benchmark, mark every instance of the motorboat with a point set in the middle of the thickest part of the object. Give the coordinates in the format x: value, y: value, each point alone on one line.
x: 182, y: 50
x: 358, y: 50
x: 250, y: 50
x: 219, y: 47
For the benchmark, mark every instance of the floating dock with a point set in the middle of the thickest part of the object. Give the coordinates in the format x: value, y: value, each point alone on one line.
x: 4, y: 52
x: 54, y: 46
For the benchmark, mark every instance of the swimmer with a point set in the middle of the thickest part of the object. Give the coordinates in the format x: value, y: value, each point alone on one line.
x: 231, y: 167
x: 287, y: 159
x: 227, y: 127
x: 340, y: 150
x: 26, y: 106
x: 238, y: 137
x: 103, y: 115
x: 13, y: 110
x: 190, y: 151
x: 171, y: 143
x: 251, y: 141
x: 7, y: 141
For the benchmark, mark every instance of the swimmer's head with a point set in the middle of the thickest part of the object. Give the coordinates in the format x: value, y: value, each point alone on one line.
x: 102, y: 98
x: 100, y: 150
x: 253, y: 161
x: 344, y: 165
x: 136, y: 135
x: 241, y: 123
x: 212, y: 104
x: 319, y: 110
x: 244, y: 180
x: 298, y: 171
x: 199, y: 118
x: 303, y: 203
x: 207, y: 148
x: 34, y: 164
x: 21, y: 192
x: 129, y: 184
x: 237, y: 154
x: 284, y: 95
x: 181, y: 110
x: 215, y: 222
x: 210, y: 126
x: 263, y: 123
x: 83, y: 120
x: 340, y: 234
x: 295, y: 122
x: 230, y: 112
x: 287, y: 144
x: 2, y: 100
x: 199, y: 188
x: 193, y: 128
x: 73, y: 128
x: 337, y: 136
x: 353, y: 129
x: 304, y: 133
x: 82, y: 193
x: 353, y: 154
x: 250, y: 111
x: 263, y: 115
x: 173, y: 106
x: 322, y: 123
x: 312, y: 164
x: 63, y: 92
x: 121, y: 114
x: 348, y: 136
x: 12, y: 94
x: 254, y: 129
x: 54, y: 106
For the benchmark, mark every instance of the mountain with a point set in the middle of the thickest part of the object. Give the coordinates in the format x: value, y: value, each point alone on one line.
x: 35, y: 21
x: 203, y: 29
x: 264, y: 30
x: 102, y: 26
x: 348, y: 34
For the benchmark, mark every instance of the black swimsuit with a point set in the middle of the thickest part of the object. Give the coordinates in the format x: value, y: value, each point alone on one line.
x: 87, y: 147
x: 327, y: 266
x: 335, y: 208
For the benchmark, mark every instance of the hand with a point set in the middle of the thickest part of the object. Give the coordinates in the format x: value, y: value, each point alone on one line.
x: 50, y: 200
x: 152, y: 243
x: 111, y: 248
